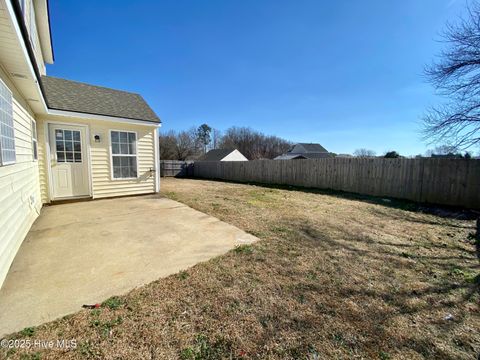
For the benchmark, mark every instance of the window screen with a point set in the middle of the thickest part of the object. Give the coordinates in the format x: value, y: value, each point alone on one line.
x: 7, y: 135
x: 124, y: 154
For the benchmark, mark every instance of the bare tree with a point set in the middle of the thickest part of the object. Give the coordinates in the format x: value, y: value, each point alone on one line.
x: 253, y: 144
x: 180, y: 146
x: 364, y: 153
x: 216, y: 138
x: 457, y: 77
x: 440, y: 150
x: 167, y: 145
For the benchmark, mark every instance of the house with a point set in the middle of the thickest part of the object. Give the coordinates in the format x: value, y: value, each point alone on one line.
x: 305, y: 151
x: 224, y: 155
x: 61, y: 139
x: 447, y: 156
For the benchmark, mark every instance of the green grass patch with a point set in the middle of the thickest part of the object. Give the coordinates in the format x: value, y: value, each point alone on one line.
x: 205, y: 349
x: 244, y: 249
x: 183, y: 275
x: 113, y: 303
x: 28, y: 331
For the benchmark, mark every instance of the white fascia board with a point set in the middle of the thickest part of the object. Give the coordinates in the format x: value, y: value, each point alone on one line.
x: 18, y: 33
x: 41, y: 10
x: 79, y: 115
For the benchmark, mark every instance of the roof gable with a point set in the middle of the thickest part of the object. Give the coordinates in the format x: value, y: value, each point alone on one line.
x: 217, y: 154
x: 67, y: 95
x: 301, y: 148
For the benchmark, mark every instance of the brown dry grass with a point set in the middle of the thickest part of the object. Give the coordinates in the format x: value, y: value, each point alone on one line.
x: 334, y: 277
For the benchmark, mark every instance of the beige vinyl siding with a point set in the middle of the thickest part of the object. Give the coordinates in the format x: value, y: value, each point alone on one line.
x: 19, y: 186
x: 102, y: 183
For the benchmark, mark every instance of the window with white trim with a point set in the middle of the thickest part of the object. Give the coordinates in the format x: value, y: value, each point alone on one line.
x: 124, y: 154
x: 7, y: 133
x: 34, y: 140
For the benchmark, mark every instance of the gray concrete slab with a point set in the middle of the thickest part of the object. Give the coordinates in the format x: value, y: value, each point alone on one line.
x: 85, y: 252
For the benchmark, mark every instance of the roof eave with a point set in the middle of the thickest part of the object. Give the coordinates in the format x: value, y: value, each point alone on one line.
x: 85, y: 115
x: 44, y: 30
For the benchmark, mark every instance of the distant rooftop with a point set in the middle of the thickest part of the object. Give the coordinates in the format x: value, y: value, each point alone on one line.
x: 313, y: 147
x: 217, y: 154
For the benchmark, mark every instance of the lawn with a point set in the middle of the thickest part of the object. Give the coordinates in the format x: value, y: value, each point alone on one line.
x: 334, y: 276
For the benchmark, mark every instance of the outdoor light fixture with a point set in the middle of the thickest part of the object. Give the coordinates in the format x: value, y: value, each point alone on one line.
x: 97, y: 138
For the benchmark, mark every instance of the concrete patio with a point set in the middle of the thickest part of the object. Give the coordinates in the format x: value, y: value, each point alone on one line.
x: 84, y: 252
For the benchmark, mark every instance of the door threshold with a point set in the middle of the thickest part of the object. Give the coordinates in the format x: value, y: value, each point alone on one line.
x: 70, y: 199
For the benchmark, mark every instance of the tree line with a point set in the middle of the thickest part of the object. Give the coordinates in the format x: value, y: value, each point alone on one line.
x: 193, y: 143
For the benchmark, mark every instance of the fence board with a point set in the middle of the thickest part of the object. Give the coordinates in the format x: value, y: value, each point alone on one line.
x: 438, y: 181
x: 176, y: 168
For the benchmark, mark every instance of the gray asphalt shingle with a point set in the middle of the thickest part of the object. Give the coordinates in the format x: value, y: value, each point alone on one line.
x: 62, y: 94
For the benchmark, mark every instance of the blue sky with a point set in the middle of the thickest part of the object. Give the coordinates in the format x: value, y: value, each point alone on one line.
x: 346, y: 73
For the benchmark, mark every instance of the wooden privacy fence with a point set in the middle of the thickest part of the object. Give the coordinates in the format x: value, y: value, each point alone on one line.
x: 437, y: 181
x: 176, y: 168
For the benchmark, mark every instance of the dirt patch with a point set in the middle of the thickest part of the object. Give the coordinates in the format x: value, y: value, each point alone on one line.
x: 334, y: 277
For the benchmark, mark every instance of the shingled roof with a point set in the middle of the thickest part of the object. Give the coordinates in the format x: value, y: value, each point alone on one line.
x: 217, y: 154
x: 313, y: 147
x: 75, y: 96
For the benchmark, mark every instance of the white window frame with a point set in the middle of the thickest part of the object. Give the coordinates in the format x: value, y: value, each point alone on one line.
x: 129, y: 155
x: 34, y: 140
x: 4, y: 163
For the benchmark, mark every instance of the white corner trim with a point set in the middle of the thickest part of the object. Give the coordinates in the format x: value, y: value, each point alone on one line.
x: 156, y: 158
x: 79, y: 115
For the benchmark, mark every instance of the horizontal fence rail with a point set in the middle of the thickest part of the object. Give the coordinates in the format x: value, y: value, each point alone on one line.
x: 176, y: 168
x: 453, y: 182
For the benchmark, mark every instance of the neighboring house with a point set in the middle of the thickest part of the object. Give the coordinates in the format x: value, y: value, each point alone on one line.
x: 224, y: 155
x: 305, y: 151
x: 448, y: 156
x: 61, y: 139
x: 344, y: 156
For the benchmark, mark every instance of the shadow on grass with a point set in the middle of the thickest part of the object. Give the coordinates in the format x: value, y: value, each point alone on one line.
x: 451, y: 212
x: 449, y: 291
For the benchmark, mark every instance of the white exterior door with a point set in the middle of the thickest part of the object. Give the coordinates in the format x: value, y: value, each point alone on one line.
x: 69, y: 163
